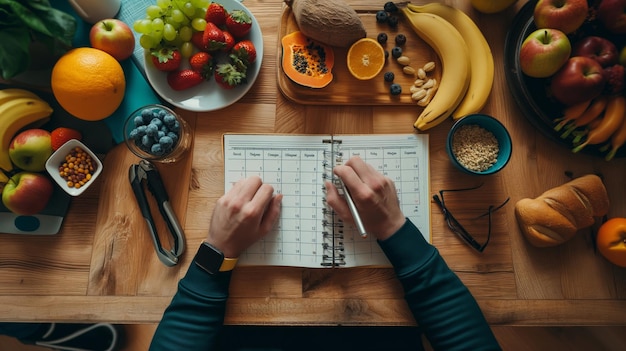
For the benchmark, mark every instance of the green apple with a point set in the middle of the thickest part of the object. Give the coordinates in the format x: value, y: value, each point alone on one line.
x: 544, y: 52
x: 30, y: 149
x: 27, y: 193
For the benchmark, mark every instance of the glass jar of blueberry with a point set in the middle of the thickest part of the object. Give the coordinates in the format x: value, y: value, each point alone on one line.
x: 156, y: 133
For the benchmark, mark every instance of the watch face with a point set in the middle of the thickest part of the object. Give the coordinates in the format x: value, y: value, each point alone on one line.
x: 209, y: 258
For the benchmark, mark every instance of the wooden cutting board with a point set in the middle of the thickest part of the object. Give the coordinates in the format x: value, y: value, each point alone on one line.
x: 347, y: 90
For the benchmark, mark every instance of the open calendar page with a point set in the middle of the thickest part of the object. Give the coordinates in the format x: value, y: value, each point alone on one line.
x: 308, y: 234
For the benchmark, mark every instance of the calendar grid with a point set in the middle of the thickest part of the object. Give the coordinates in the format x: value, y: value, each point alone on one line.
x: 295, y: 167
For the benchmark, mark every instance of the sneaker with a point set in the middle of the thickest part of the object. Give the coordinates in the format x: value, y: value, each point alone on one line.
x: 80, y: 337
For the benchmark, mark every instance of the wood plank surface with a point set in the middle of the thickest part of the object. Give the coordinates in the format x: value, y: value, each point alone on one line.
x: 102, y: 266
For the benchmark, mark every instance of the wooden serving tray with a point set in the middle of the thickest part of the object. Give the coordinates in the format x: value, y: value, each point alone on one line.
x: 347, y: 90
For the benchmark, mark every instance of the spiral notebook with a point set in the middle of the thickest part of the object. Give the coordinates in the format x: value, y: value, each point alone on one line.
x: 308, y: 233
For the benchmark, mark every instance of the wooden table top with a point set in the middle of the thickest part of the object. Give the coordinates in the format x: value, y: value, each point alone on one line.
x: 102, y: 266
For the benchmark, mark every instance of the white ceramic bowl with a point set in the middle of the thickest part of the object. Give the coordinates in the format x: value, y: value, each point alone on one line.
x: 58, y: 157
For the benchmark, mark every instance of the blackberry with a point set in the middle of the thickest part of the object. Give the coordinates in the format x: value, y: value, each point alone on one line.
x: 382, y: 16
x: 392, y: 21
x: 390, y: 6
x: 400, y: 39
x: 382, y: 38
x: 389, y: 76
x: 396, y: 52
x: 395, y: 89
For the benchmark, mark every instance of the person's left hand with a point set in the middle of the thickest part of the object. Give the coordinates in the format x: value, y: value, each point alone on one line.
x: 243, y: 215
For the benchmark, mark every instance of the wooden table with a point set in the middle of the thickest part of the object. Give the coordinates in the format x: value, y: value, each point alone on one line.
x: 102, y: 266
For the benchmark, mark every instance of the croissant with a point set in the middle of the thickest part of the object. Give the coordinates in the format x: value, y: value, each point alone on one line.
x: 559, y: 213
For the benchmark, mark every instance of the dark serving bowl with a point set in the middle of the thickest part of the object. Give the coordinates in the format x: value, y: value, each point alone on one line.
x: 532, y: 95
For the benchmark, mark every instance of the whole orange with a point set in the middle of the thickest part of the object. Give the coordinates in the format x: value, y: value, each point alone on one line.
x: 611, y: 241
x: 88, y: 83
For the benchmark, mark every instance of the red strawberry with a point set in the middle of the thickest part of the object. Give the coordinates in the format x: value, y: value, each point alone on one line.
x: 229, y: 40
x: 202, y: 62
x: 166, y: 59
x: 227, y: 76
x: 243, y: 54
x: 184, y: 79
x: 62, y: 135
x: 196, y: 40
x: 238, y: 23
x: 216, y: 13
x: 213, y: 38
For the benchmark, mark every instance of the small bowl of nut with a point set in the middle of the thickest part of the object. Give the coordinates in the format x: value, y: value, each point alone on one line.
x: 157, y: 133
x: 74, y: 167
x: 479, y: 144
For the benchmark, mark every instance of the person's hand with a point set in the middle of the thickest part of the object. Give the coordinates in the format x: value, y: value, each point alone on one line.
x: 243, y: 215
x: 374, y: 195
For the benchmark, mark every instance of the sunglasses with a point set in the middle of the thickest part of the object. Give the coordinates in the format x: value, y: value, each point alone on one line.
x: 457, y: 228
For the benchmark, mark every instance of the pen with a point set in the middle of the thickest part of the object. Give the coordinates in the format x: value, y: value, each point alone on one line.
x: 353, y: 210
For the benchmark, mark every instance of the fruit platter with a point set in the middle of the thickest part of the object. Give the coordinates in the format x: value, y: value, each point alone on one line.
x: 183, y: 63
x: 541, y: 98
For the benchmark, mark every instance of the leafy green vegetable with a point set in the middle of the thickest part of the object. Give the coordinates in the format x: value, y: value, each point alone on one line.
x: 25, y: 21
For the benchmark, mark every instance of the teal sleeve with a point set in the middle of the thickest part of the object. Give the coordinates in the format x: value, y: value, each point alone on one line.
x: 442, y: 305
x: 195, y: 315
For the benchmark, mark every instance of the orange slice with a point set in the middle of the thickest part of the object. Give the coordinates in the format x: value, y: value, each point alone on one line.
x: 366, y: 58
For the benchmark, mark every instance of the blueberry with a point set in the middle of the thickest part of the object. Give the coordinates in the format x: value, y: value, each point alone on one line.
x: 156, y: 149
x: 169, y: 119
x: 174, y: 136
x: 396, y: 52
x: 175, y: 127
x: 166, y: 142
x: 392, y: 21
x: 381, y: 16
x: 382, y: 38
x: 157, y: 122
x: 145, y: 113
x: 141, y: 130
x: 160, y: 134
x: 146, y: 141
x: 151, y: 130
x: 386, y: 54
x: 389, y: 76
x: 400, y: 39
x: 390, y: 7
x: 133, y: 134
x: 395, y: 89
x: 161, y: 114
x: 138, y: 121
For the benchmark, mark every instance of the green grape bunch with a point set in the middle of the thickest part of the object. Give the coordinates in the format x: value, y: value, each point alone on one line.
x: 172, y: 23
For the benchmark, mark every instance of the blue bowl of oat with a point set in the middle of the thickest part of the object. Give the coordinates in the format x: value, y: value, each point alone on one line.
x: 479, y: 144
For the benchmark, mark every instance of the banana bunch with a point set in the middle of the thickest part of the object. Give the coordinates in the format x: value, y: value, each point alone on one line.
x: 468, y: 67
x: 19, y: 108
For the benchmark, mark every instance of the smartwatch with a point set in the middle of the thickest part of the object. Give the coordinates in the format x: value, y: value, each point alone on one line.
x: 212, y: 260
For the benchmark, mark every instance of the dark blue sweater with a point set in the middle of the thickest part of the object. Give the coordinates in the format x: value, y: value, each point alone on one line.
x: 442, y: 306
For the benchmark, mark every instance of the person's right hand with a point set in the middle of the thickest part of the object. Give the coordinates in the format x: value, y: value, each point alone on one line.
x: 374, y: 195
x: 243, y: 215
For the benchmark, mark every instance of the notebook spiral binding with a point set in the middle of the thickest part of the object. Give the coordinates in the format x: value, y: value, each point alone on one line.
x: 332, y: 232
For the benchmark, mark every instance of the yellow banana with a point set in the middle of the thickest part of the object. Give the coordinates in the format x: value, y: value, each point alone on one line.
x: 453, y: 53
x: 9, y: 94
x: 15, y: 115
x: 480, y: 56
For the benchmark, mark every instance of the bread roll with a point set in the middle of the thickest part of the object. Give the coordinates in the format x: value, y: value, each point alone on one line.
x: 558, y: 214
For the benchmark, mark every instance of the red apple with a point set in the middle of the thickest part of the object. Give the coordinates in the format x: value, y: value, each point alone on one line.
x: 564, y: 15
x: 27, y: 193
x: 29, y: 150
x: 612, y: 13
x: 597, y: 48
x: 543, y: 52
x: 113, y: 37
x: 580, y: 79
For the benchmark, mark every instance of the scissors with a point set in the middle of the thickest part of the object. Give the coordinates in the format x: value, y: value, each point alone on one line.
x: 146, y: 172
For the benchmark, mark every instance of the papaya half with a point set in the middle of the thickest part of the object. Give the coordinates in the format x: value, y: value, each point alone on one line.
x: 307, y: 62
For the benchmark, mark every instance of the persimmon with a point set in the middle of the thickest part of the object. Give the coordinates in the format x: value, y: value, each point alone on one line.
x: 611, y: 241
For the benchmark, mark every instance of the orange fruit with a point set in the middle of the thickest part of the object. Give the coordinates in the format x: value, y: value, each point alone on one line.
x: 366, y: 58
x: 88, y: 83
x: 611, y: 241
